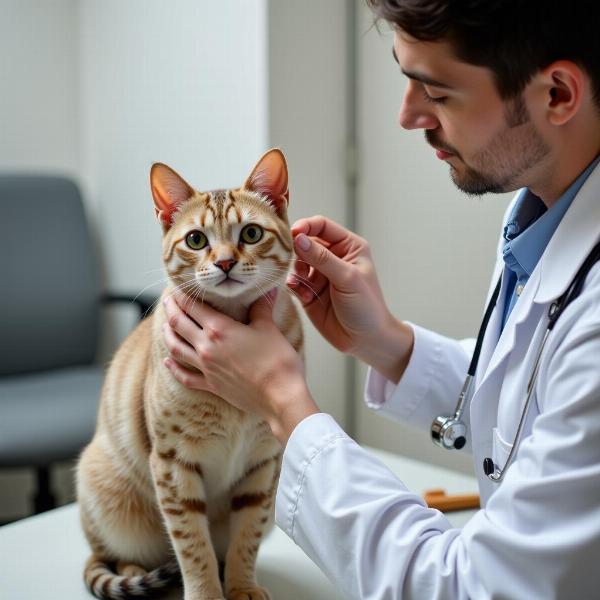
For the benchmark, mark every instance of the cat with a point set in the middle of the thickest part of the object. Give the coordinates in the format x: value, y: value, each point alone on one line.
x: 171, y: 471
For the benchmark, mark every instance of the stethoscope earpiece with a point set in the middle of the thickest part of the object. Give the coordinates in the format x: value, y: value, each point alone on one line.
x: 488, y: 466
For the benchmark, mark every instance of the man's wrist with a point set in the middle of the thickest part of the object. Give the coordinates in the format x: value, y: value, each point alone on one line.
x: 289, y: 407
x: 390, y: 352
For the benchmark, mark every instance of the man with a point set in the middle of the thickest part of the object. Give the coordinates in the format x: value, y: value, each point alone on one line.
x: 508, y: 93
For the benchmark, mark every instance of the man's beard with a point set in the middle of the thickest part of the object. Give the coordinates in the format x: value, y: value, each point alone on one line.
x: 512, y: 152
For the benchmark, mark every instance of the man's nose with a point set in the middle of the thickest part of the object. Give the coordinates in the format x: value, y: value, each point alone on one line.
x: 415, y: 112
x: 225, y: 264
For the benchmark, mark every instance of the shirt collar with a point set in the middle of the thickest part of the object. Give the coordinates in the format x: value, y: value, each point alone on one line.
x: 530, y: 226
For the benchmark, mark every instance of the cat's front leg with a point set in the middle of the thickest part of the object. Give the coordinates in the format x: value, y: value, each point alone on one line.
x: 182, y: 499
x: 251, y: 517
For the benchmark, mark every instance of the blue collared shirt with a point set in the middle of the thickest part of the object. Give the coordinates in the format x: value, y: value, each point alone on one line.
x: 527, y: 233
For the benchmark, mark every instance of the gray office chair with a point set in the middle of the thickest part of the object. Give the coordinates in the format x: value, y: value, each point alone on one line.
x: 50, y: 301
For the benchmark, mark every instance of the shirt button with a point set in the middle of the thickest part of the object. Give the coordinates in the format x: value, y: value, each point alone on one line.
x: 519, y: 289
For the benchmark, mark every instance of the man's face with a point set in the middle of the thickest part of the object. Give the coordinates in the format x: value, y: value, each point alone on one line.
x: 491, y: 145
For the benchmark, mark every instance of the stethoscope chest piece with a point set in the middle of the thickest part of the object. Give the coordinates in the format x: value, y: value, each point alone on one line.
x: 449, y: 432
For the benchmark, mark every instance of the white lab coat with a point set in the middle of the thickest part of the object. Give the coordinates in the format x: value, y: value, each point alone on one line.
x: 538, y: 533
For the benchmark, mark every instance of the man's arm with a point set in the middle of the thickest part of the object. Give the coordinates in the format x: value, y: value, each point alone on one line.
x: 538, y: 536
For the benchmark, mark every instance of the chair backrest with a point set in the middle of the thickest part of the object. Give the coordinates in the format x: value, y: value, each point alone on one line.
x: 49, y: 276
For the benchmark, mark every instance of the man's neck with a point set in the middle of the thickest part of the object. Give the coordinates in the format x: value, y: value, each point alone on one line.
x: 556, y: 177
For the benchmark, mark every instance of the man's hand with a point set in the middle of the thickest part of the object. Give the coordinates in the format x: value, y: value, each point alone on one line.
x: 251, y: 366
x: 336, y: 281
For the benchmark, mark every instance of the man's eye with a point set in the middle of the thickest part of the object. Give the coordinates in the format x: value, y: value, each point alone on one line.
x: 434, y: 99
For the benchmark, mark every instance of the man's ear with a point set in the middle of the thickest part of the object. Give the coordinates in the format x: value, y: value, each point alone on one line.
x: 564, y: 83
x: 169, y: 191
x: 270, y: 178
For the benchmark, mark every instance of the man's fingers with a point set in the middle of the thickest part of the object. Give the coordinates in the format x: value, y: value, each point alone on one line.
x: 203, y: 314
x: 322, y: 227
x: 181, y: 351
x: 321, y: 259
x: 308, y: 288
x: 189, y: 379
x: 299, y: 273
x: 315, y: 263
x: 180, y: 322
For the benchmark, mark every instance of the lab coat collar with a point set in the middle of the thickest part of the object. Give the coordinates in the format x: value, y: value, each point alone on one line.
x: 575, y: 236
x: 572, y: 241
x: 506, y: 343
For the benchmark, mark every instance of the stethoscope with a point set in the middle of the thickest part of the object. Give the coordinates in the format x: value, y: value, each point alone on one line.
x: 450, y: 431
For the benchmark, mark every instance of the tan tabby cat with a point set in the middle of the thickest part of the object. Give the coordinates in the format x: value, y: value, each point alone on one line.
x: 174, y: 471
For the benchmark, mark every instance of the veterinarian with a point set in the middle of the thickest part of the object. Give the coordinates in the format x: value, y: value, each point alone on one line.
x: 508, y: 95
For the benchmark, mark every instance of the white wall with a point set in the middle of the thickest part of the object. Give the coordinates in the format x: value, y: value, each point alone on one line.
x: 434, y: 247
x: 39, y: 74
x: 307, y: 118
x: 182, y: 83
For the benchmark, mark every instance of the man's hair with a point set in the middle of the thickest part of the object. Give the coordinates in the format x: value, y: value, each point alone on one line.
x: 513, y: 38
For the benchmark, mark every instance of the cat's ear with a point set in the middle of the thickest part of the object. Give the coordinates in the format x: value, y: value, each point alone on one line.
x: 169, y: 191
x: 270, y: 178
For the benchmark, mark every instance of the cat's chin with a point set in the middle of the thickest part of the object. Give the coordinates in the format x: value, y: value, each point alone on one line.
x: 229, y: 288
x: 232, y: 300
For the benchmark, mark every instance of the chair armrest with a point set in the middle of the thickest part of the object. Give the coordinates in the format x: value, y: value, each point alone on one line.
x: 144, y: 302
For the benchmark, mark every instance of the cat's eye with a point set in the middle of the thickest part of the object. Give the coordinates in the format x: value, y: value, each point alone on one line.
x: 251, y: 234
x: 196, y: 240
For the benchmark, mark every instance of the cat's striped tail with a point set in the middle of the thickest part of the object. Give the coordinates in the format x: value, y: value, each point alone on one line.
x: 104, y: 583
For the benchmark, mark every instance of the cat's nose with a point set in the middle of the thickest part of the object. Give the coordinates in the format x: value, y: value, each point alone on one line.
x: 226, y: 264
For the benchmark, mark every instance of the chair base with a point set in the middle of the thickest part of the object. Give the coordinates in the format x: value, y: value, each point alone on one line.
x: 43, y: 500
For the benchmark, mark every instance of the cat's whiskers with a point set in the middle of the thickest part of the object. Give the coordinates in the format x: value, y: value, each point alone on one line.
x: 263, y: 293
x: 300, y: 279
x: 277, y: 271
x: 154, y: 270
x: 290, y: 291
x: 287, y: 272
x: 196, y: 289
x: 295, y: 294
x: 262, y: 271
x: 296, y: 259
x: 194, y: 297
x: 160, y: 281
x: 181, y: 287
x: 273, y: 275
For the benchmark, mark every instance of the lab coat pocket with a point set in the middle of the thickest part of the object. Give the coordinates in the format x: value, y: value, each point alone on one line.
x: 501, y: 449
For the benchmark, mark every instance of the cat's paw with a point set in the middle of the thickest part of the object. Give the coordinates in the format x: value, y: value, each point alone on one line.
x: 129, y: 569
x: 249, y: 593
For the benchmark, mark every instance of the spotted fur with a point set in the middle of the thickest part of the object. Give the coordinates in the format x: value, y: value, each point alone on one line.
x: 178, y: 482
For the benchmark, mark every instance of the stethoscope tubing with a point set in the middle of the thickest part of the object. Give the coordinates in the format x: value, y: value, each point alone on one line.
x: 443, y: 427
x: 498, y: 473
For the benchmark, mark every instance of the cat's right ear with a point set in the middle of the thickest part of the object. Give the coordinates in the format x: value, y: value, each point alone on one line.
x: 169, y: 191
x: 270, y: 178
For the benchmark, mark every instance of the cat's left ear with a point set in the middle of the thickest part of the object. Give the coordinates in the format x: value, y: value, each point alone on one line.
x: 169, y: 191
x: 270, y: 178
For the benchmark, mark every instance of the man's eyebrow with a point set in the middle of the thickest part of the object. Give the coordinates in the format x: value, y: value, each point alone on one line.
x: 420, y: 76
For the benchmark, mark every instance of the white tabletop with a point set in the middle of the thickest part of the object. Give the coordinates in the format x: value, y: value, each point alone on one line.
x: 43, y: 556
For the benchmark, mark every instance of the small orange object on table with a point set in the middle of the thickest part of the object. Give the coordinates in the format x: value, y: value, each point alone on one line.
x: 440, y: 500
